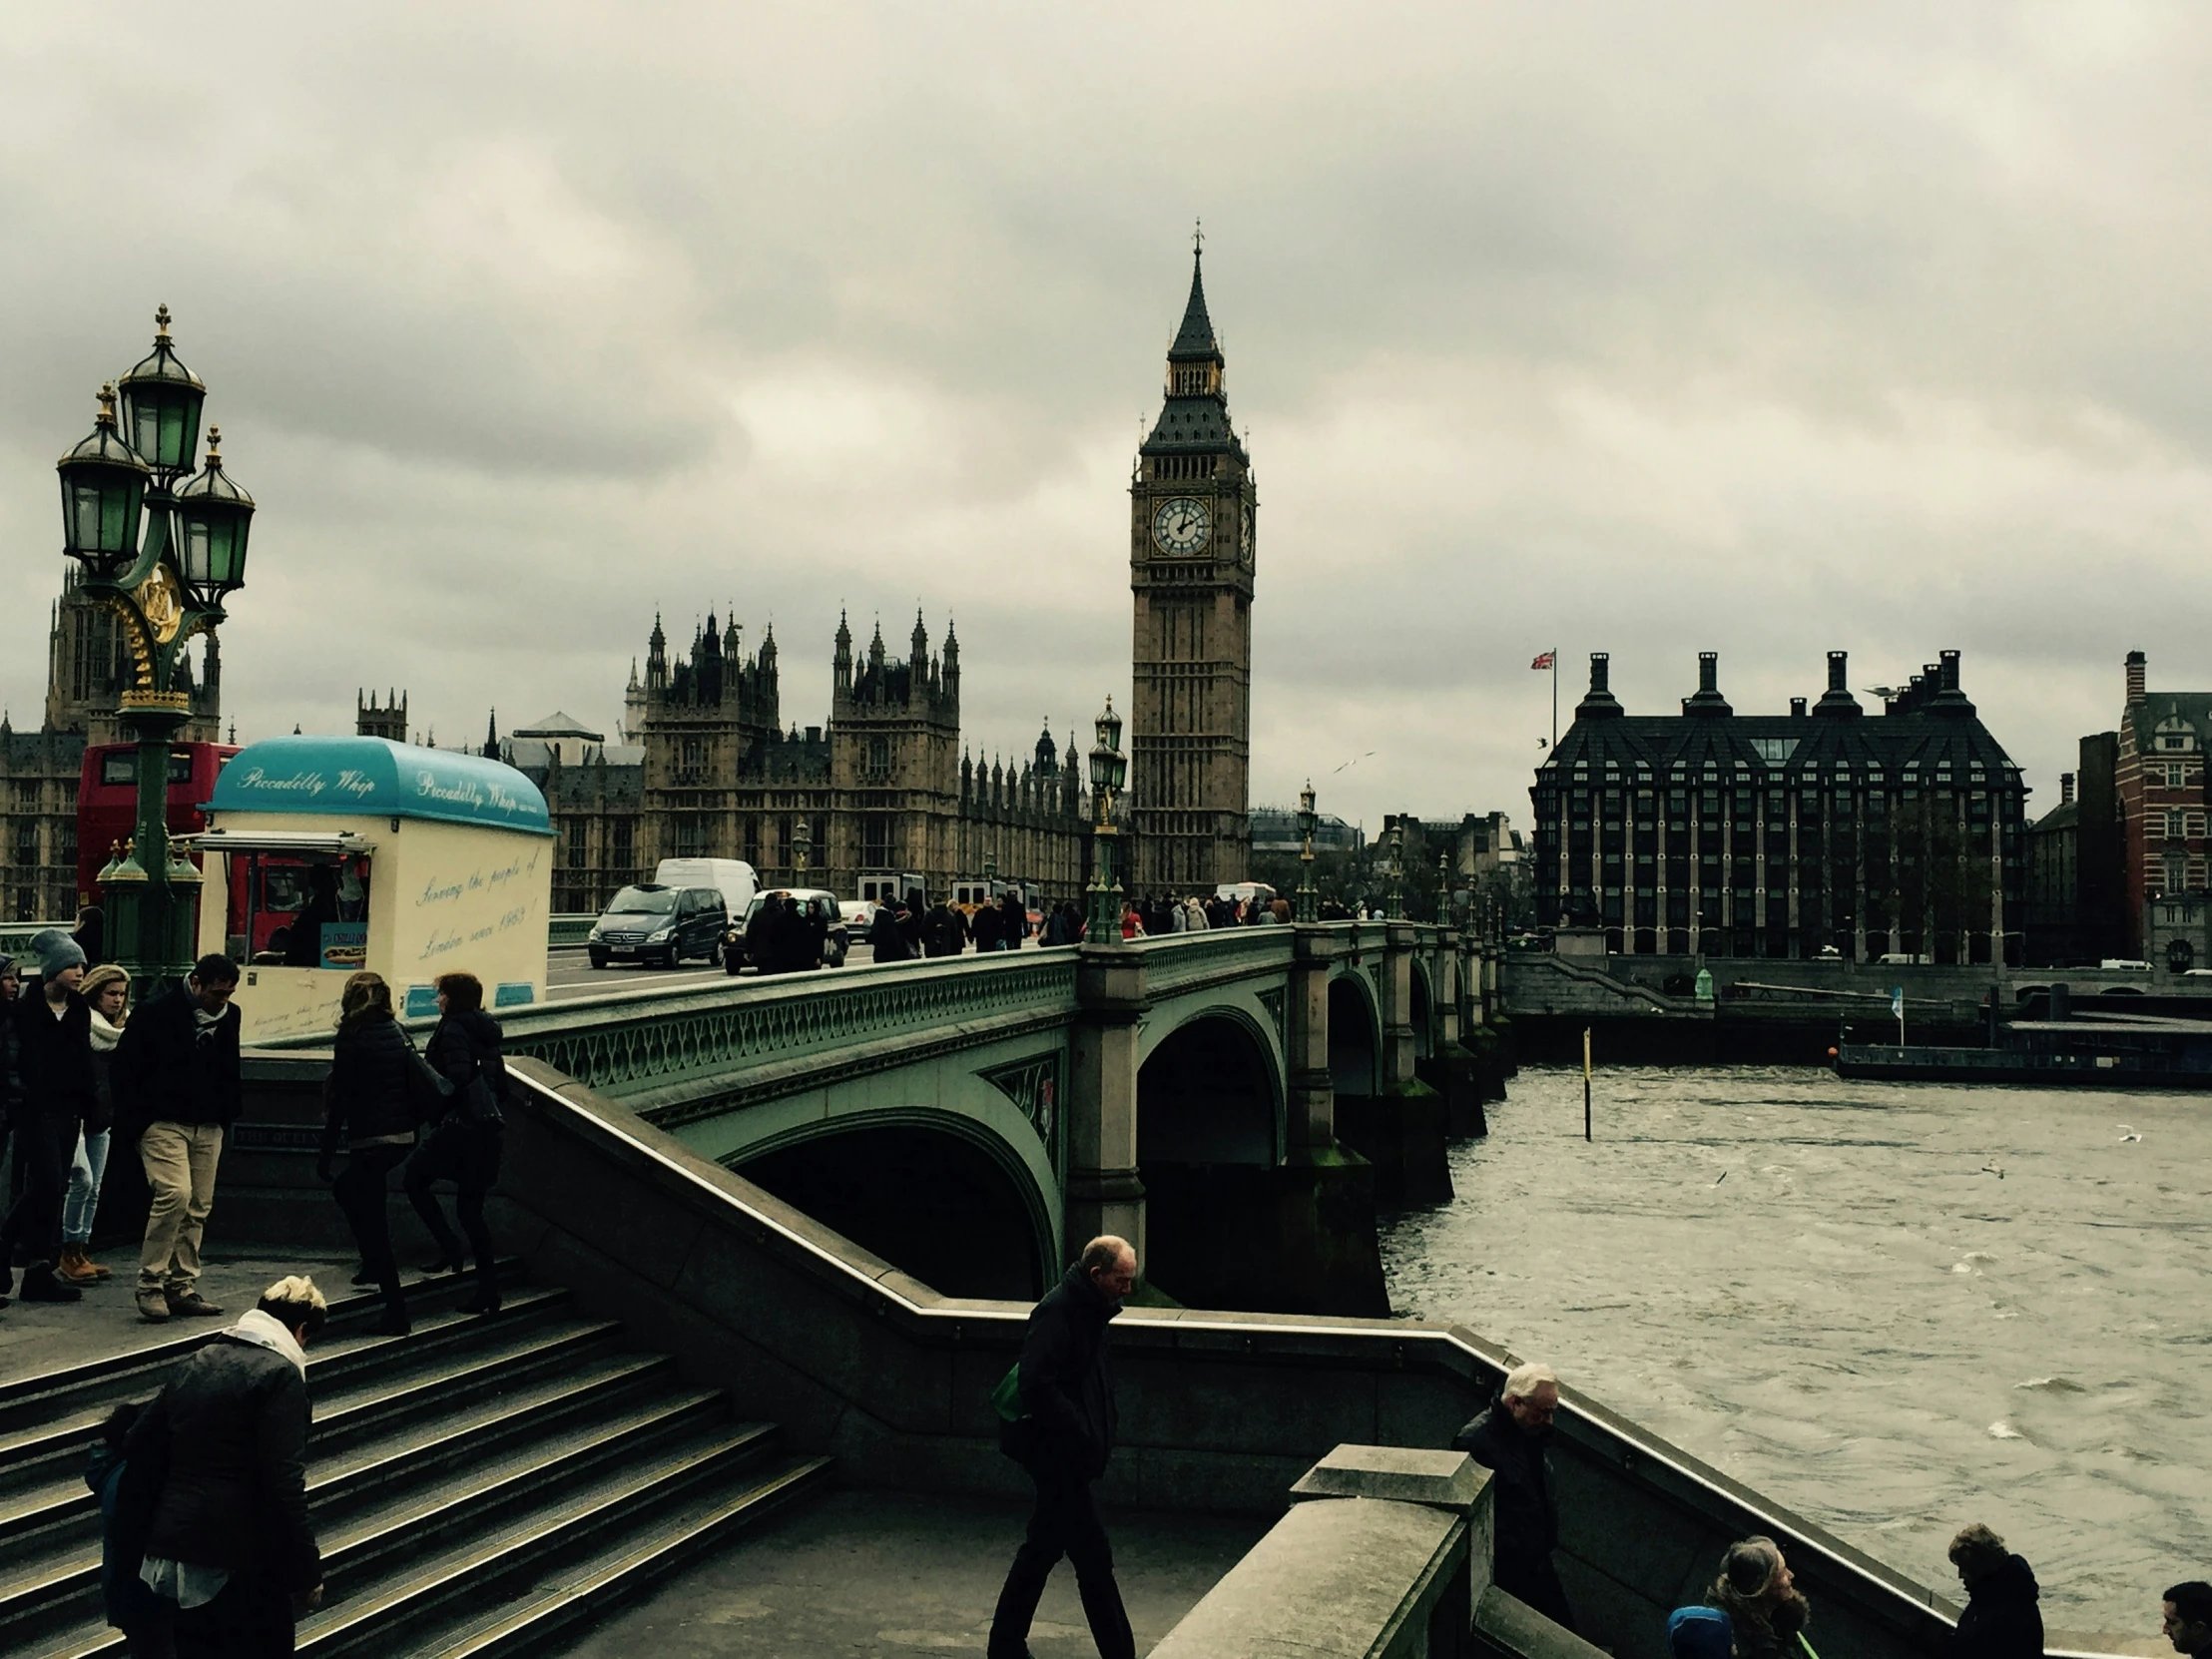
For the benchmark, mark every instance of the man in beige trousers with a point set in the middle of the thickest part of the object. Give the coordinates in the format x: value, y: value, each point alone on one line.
x: 176, y: 1076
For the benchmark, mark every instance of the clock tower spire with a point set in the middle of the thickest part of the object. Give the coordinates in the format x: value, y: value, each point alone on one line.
x: 1192, y: 511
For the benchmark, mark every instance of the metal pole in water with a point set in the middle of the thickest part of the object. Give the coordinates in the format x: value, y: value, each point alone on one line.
x: 1585, y: 1082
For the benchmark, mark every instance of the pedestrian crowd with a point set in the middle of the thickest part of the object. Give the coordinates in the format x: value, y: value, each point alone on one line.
x: 208, y: 1549
x: 81, y: 1074
x: 1752, y: 1608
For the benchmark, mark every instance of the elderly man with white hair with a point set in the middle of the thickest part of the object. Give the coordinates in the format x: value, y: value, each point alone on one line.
x: 1511, y: 1440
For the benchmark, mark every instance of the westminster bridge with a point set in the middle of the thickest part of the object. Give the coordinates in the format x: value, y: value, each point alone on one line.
x: 1237, y: 1102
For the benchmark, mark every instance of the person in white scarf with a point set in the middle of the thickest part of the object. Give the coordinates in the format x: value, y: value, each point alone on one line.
x: 107, y: 989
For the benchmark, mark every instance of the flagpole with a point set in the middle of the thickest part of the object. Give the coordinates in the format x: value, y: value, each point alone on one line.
x: 1555, y: 696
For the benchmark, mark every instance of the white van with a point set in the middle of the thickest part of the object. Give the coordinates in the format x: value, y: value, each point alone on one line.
x: 732, y: 877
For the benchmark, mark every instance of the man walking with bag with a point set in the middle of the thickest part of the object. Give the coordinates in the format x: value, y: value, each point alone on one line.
x: 1066, y: 1389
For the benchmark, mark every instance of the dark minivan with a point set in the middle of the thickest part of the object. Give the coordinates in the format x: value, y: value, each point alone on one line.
x: 654, y: 924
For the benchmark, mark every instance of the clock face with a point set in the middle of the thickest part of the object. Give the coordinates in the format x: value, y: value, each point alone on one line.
x: 1181, y: 525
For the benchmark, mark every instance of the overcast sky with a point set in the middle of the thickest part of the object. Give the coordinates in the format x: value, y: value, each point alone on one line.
x: 1653, y: 329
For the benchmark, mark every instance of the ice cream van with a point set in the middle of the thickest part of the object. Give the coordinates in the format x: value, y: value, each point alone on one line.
x: 408, y: 862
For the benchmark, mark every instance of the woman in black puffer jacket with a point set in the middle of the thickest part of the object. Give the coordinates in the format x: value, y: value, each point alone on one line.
x: 368, y: 1104
x: 463, y: 1146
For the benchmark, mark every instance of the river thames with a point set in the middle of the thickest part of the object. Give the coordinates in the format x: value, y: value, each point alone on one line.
x: 1891, y: 1308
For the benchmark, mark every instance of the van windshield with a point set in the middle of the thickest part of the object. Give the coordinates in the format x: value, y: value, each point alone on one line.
x: 636, y: 902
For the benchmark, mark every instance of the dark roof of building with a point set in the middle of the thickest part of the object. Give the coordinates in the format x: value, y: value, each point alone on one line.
x: 1200, y: 423
x: 2066, y: 816
x: 1932, y: 733
x: 2169, y: 710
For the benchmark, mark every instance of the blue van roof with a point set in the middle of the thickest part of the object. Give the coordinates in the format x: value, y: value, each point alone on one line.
x: 376, y: 777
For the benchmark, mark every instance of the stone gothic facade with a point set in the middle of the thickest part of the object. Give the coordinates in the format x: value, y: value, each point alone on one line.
x: 886, y: 786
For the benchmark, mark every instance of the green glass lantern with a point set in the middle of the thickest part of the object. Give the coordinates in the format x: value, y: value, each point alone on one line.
x: 160, y: 406
x: 1109, y: 766
x: 212, y: 517
x: 102, y: 489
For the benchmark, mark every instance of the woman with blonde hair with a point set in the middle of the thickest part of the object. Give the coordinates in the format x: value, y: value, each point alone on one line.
x: 368, y: 1103
x: 106, y: 989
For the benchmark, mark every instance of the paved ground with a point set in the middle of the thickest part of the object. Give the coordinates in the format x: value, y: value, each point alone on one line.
x: 38, y: 1337
x: 897, y: 1577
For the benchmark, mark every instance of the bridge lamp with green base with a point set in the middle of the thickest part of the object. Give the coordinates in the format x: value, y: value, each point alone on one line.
x: 1309, y: 899
x: 166, y: 588
x: 1109, y: 770
x: 1394, y: 870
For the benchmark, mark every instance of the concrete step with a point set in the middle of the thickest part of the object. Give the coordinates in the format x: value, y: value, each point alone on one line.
x: 478, y: 1486
x: 350, y: 1366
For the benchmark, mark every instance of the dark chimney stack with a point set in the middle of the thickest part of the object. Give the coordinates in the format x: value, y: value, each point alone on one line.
x: 1796, y: 708
x: 1949, y: 670
x: 1599, y: 670
x: 2065, y: 789
x: 2139, y: 669
x: 1709, y: 673
x: 1837, y: 679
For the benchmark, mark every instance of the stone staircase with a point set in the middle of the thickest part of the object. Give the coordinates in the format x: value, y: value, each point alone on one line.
x: 479, y: 1486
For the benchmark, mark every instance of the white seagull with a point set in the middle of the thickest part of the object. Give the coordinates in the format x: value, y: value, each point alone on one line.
x: 2127, y: 1134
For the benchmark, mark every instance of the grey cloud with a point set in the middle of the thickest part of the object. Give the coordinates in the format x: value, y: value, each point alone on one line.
x: 1647, y: 329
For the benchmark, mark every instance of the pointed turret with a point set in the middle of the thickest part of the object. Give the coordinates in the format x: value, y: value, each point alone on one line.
x: 1195, y: 341
x: 491, y: 737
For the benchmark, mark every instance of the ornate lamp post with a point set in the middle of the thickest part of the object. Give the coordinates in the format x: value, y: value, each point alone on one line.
x: 1443, y: 889
x: 803, y: 845
x: 166, y: 588
x: 1309, y: 899
x: 1395, y: 870
x: 1109, y: 770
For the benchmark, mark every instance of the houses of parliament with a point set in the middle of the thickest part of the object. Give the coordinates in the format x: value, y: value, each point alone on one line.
x: 708, y: 765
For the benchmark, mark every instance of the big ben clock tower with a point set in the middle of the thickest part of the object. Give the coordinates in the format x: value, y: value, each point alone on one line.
x: 1192, y: 512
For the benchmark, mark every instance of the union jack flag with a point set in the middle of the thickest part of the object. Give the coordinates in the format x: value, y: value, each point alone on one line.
x: 1543, y: 659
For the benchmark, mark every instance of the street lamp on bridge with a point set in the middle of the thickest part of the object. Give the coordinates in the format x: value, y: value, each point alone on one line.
x: 1109, y: 769
x: 1309, y: 900
x: 166, y: 588
x: 1444, y: 888
x: 1395, y: 871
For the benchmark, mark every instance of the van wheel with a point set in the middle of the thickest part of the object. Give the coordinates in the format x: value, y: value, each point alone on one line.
x: 598, y: 958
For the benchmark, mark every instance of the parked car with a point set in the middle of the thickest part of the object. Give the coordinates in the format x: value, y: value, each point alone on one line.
x: 656, y: 925
x: 815, y: 904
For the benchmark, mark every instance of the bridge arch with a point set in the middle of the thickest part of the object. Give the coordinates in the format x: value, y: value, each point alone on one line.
x: 1422, y: 1009
x: 1355, y: 1037
x: 940, y: 1196
x: 1208, y: 1138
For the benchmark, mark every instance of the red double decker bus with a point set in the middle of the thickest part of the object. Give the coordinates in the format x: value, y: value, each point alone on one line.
x: 107, y: 800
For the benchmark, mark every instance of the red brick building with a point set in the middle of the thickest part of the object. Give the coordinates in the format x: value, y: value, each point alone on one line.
x: 2161, y: 783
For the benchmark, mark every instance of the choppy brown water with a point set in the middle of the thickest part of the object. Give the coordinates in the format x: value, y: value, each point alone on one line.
x: 1827, y: 1289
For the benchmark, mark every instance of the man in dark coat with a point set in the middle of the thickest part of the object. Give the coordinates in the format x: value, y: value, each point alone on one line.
x: 1064, y: 1440
x: 1511, y: 1440
x: 53, y: 1066
x: 943, y: 933
x: 176, y: 1075
x: 2000, y: 1620
x: 2189, y: 1618
x: 984, y: 928
x: 884, y: 934
x: 230, y: 1543
x: 1013, y: 920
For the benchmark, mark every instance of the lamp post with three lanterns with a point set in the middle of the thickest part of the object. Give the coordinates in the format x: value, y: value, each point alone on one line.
x: 165, y: 587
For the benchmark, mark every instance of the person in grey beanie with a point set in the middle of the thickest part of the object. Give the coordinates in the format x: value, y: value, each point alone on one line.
x: 53, y: 1057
